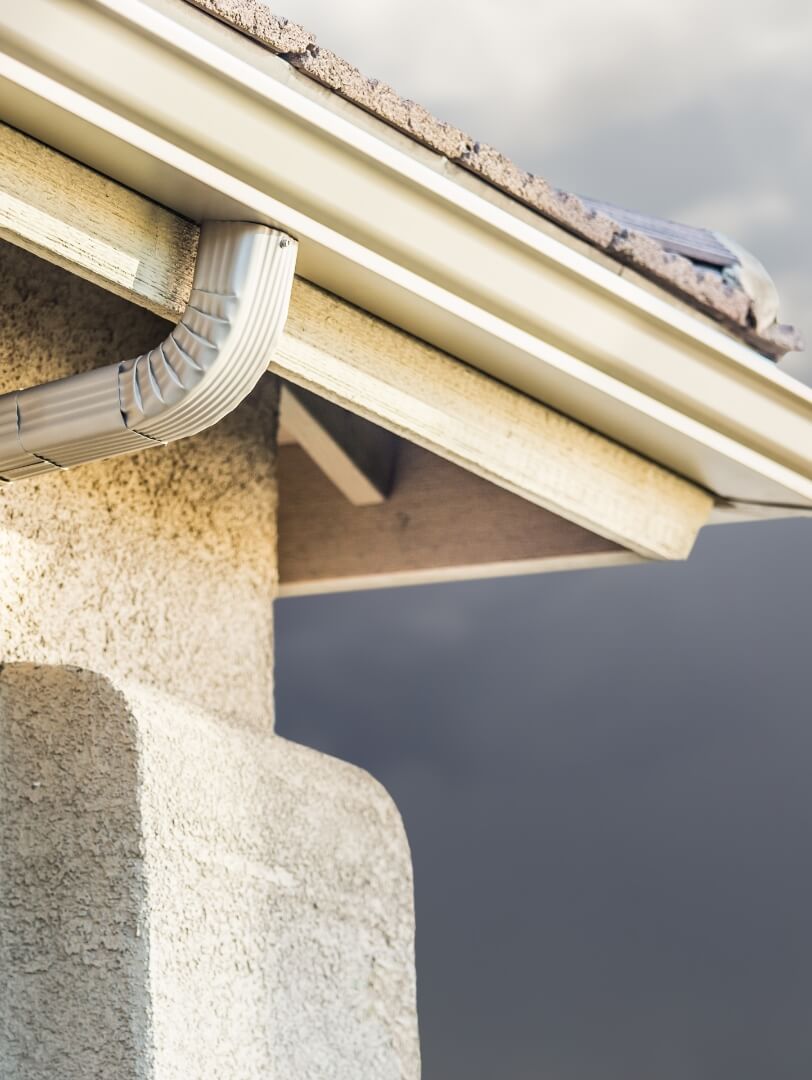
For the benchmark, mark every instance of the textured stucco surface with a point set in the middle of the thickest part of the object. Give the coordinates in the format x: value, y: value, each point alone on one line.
x: 183, y: 894
x: 73, y: 998
x: 158, y: 567
x: 294, y: 873
x: 702, y: 288
x: 183, y: 899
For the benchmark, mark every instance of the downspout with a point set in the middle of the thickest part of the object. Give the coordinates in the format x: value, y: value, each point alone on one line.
x: 207, y: 365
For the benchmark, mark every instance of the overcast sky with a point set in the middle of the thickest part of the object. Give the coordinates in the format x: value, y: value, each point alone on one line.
x: 605, y: 775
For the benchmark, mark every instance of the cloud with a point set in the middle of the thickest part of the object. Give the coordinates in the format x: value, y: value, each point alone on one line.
x: 515, y: 67
x: 605, y: 783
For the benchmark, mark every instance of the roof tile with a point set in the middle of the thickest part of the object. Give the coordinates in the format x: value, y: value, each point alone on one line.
x: 693, y: 281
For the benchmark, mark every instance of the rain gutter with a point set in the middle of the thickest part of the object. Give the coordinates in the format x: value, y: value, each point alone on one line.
x: 164, y: 99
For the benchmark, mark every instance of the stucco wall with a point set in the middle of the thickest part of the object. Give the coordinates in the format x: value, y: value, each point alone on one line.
x: 183, y: 894
x: 158, y: 567
x: 74, y: 1001
x: 293, y: 870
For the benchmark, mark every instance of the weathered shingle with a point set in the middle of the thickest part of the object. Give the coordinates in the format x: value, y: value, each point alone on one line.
x: 688, y: 262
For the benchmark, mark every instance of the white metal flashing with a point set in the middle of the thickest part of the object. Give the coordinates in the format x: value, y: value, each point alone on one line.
x: 209, y: 362
x: 197, y: 117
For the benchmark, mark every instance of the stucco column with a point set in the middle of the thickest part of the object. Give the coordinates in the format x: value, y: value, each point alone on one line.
x: 183, y: 894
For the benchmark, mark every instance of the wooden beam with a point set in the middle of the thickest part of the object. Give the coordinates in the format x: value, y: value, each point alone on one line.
x: 428, y: 397
x: 440, y: 523
x: 69, y: 215
x: 358, y: 457
x: 96, y: 228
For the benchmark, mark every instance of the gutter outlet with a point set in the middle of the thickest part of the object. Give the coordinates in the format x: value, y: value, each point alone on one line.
x: 207, y: 365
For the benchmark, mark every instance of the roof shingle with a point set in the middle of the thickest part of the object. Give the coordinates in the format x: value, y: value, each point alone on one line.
x: 693, y: 264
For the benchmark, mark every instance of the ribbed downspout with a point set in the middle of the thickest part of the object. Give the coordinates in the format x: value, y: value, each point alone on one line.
x: 209, y: 362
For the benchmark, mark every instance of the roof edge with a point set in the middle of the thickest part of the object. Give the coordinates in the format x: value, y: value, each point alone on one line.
x: 432, y: 251
x: 724, y: 299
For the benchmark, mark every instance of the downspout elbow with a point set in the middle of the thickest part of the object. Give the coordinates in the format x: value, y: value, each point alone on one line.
x: 207, y: 365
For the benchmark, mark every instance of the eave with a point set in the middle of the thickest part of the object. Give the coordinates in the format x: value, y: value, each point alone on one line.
x: 386, y: 384
x: 172, y: 104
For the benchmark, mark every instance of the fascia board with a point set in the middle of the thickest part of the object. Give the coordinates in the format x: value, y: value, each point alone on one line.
x: 171, y: 111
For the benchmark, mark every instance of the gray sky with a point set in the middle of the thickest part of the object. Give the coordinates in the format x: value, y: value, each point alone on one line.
x: 604, y: 775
